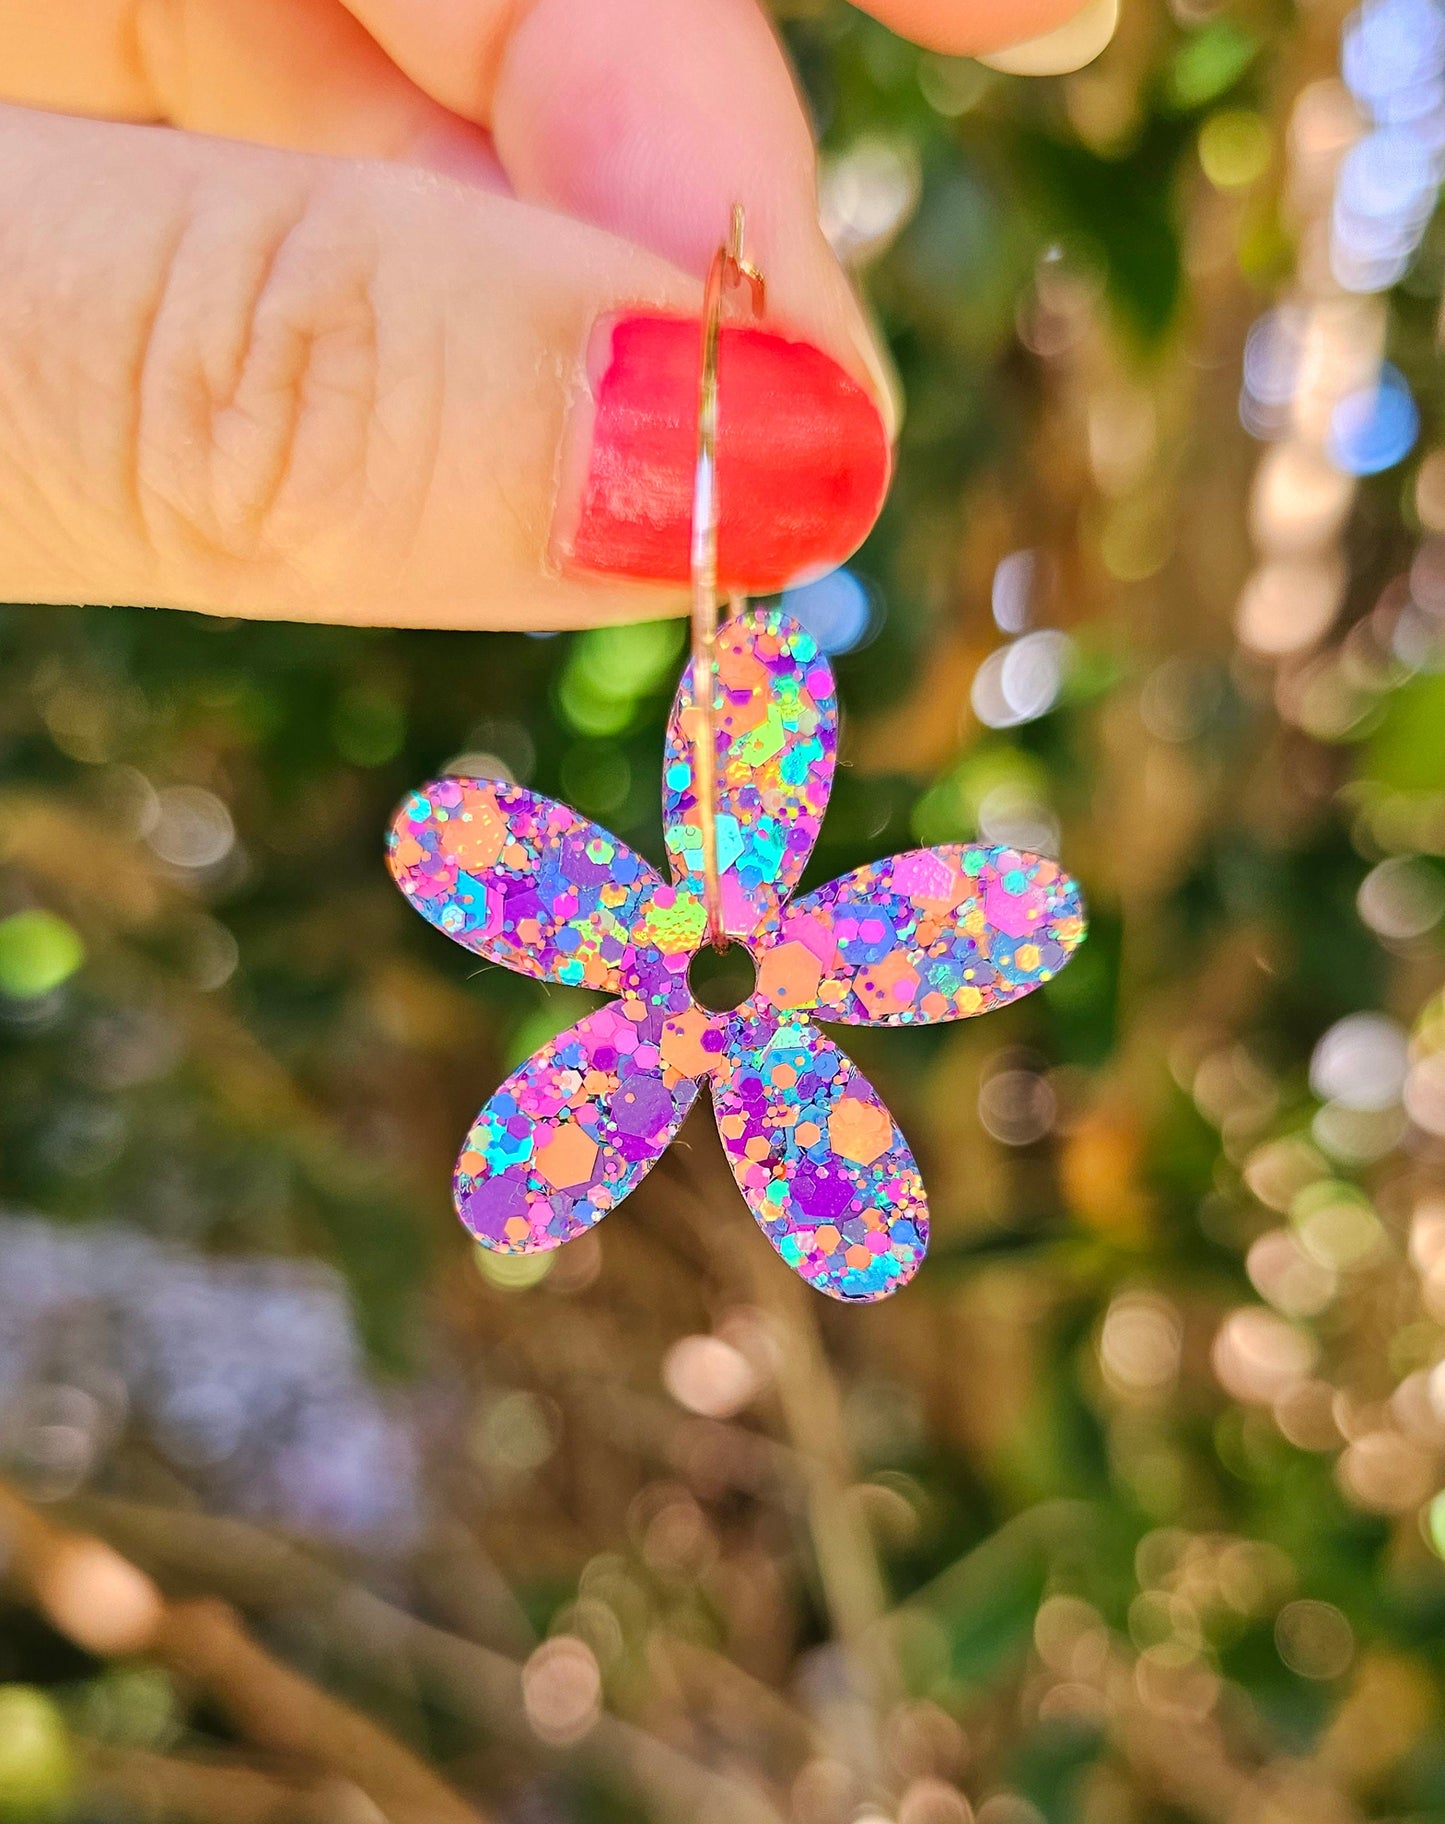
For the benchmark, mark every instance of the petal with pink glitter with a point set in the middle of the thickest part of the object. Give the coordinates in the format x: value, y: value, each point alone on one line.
x: 523, y: 881
x: 820, y: 1160
x: 934, y: 934
x: 570, y: 1133
x: 775, y: 720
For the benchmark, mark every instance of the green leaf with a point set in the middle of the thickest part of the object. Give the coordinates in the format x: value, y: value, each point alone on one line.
x: 1123, y: 208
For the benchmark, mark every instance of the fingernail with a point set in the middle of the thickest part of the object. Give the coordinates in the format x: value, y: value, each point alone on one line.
x: 802, y: 456
x: 1068, y: 47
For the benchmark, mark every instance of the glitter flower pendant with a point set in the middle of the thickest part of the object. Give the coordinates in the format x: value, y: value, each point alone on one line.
x: 935, y: 934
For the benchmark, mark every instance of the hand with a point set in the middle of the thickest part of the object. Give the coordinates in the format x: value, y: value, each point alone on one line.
x: 437, y: 377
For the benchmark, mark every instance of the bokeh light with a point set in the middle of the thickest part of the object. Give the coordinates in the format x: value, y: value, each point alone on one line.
x: 192, y: 828
x: 1139, y: 1346
x: 866, y: 195
x: 1376, y: 427
x: 562, y: 1689
x: 1017, y: 1106
x: 1234, y: 148
x: 709, y: 1375
x: 1360, y: 1062
x: 1290, y: 604
x: 1314, y: 1639
x: 38, y: 952
x: 1015, y: 580
x: 1402, y: 898
x: 836, y: 610
x: 1022, y: 681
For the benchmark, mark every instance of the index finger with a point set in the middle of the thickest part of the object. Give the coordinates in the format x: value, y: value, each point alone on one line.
x: 653, y: 117
x: 650, y: 118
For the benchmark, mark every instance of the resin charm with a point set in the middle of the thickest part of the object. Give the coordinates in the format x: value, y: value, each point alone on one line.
x: 934, y: 934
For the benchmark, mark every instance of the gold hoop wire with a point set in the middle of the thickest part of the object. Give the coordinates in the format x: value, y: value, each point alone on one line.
x: 729, y: 270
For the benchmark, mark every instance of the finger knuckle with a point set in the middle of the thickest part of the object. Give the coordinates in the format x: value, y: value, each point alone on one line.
x: 267, y: 430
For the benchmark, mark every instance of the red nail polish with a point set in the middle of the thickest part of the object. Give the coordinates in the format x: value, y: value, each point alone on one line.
x: 802, y: 456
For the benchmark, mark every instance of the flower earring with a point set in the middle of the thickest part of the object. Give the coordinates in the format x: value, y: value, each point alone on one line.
x: 932, y: 935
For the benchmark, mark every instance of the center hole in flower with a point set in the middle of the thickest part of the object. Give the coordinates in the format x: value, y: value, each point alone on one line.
x: 722, y: 979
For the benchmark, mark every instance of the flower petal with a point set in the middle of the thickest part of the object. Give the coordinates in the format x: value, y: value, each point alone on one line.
x: 570, y: 1133
x: 776, y: 725
x: 936, y: 934
x: 520, y: 879
x: 819, y: 1160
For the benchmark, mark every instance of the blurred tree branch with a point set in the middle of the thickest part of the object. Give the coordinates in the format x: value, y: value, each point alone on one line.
x: 105, y: 1605
x: 475, y: 1683
x: 212, y: 1790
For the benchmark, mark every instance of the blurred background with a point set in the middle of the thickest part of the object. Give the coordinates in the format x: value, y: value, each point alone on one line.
x: 1128, y: 1509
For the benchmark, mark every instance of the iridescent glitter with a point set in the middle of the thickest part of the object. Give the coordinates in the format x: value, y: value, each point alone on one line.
x: 775, y: 717
x: 936, y: 934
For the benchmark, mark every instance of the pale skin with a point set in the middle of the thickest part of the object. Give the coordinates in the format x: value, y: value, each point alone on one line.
x: 293, y: 292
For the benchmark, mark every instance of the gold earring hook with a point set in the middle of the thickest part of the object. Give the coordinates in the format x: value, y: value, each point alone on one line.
x: 730, y: 270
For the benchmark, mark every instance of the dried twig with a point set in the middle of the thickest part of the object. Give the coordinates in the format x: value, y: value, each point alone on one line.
x: 107, y: 1606
x: 475, y: 1683
x: 192, y: 1789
